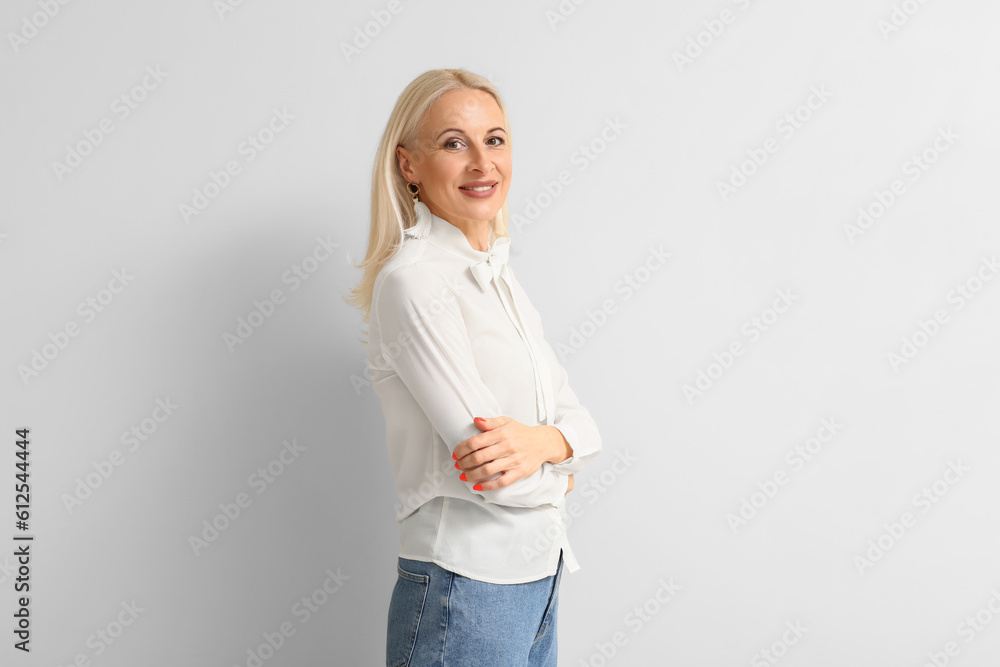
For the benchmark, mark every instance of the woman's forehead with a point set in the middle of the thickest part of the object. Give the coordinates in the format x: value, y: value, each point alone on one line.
x: 464, y: 109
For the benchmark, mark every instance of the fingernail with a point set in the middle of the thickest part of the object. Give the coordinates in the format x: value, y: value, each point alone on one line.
x: 462, y: 477
x: 457, y: 466
x: 479, y: 419
x: 454, y: 457
x: 477, y: 487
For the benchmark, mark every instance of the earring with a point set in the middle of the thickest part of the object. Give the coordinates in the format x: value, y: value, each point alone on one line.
x: 414, y: 190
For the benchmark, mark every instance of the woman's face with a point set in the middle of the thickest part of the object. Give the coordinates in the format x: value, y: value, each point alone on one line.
x: 461, y: 161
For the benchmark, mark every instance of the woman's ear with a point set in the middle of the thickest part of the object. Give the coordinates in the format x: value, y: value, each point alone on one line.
x: 405, y: 164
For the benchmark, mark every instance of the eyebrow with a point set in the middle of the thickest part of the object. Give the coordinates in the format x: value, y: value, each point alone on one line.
x: 455, y: 129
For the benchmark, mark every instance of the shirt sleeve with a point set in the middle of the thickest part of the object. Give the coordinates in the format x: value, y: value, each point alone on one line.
x: 423, y: 338
x: 571, y: 418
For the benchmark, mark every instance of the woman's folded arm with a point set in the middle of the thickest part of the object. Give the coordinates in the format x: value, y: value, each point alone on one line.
x: 423, y: 338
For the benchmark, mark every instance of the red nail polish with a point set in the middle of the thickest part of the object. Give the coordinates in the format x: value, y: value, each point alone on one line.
x: 479, y: 419
x: 457, y: 466
x: 454, y: 457
x: 462, y: 477
x: 477, y: 487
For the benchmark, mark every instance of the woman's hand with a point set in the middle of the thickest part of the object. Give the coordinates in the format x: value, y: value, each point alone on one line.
x: 507, y: 446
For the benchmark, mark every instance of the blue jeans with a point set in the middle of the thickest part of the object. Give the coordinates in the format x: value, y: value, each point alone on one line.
x: 441, y: 619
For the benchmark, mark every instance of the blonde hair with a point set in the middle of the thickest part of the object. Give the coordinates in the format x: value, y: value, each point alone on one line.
x: 391, y: 204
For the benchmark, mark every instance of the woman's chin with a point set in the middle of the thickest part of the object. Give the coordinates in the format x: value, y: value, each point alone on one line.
x: 479, y: 210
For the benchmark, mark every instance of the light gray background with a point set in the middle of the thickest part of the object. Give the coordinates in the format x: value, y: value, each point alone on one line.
x: 660, y: 517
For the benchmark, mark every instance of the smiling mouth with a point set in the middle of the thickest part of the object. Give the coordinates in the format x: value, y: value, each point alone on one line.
x: 478, y: 188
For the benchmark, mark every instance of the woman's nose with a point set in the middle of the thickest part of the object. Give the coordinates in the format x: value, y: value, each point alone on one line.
x: 480, y: 160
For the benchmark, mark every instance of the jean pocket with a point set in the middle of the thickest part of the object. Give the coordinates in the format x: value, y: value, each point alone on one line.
x: 405, y: 609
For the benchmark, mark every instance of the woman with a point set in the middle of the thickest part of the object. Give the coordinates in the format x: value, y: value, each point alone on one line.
x: 483, y: 431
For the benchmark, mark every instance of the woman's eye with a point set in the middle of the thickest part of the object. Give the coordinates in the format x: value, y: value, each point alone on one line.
x: 499, y: 141
x: 453, y: 143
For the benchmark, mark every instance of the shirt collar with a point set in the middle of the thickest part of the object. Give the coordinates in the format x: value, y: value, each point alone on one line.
x: 447, y: 236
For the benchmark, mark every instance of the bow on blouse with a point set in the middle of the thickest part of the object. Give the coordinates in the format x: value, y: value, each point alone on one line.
x: 496, y: 259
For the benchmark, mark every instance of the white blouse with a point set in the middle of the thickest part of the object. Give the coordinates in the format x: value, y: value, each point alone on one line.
x: 452, y: 336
